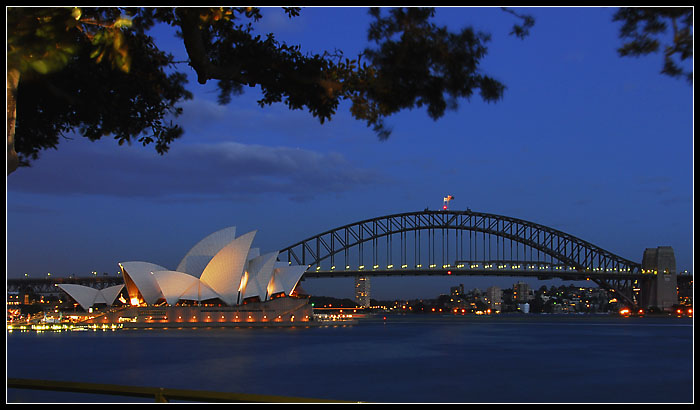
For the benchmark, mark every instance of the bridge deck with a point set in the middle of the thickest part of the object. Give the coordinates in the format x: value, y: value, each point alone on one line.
x: 538, y: 273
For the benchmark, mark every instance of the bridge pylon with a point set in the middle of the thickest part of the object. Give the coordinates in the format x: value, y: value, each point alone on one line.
x: 661, y: 289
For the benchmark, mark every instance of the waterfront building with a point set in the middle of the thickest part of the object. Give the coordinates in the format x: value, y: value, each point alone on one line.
x: 457, y: 290
x: 362, y: 291
x: 220, y: 267
x: 524, y: 307
x: 494, y: 298
x: 521, y: 292
x: 221, y: 270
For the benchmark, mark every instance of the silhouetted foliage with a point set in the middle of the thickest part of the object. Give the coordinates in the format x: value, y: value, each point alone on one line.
x: 100, y: 99
x: 96, y: 71
x: 645, y: 28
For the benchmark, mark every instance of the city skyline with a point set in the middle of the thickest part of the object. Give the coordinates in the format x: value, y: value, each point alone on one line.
x: 584, y: 141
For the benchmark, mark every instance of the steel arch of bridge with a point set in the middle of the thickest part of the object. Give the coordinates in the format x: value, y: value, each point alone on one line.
x: 510, y: 239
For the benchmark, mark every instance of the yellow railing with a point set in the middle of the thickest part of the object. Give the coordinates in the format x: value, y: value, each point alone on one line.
x: 159, y: 394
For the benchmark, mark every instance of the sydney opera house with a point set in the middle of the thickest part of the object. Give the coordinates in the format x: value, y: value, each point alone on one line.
x: 221, y: 281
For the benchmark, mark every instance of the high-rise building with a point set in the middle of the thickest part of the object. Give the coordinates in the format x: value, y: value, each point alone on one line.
x: 521, y: 292
x: 362, y: 291
x: 494, y: 298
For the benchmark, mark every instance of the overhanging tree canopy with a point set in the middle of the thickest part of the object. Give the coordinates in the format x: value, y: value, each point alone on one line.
x: 644, y: 28
x: 96, y: 71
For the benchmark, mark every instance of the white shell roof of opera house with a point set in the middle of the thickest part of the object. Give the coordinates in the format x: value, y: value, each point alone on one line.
x: 219, y: 266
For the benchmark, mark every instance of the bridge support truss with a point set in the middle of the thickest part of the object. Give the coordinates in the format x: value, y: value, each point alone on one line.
x: 436, y: 240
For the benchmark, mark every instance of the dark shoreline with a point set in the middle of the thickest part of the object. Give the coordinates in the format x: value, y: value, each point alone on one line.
x: 516, y: 317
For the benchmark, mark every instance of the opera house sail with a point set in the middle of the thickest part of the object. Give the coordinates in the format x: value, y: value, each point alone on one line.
x: 87, y: 296
x: 220, y: 280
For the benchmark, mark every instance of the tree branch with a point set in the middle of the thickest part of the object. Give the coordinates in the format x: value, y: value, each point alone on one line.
x: 12, y: 82
x: 189, y: 20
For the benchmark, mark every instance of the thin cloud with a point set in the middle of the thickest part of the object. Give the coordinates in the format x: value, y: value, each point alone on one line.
x: 223, y: 170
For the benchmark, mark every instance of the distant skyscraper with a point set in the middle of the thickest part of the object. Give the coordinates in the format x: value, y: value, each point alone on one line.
x: 521, y: 292
x: 362, y: 290
x: 494, y: 296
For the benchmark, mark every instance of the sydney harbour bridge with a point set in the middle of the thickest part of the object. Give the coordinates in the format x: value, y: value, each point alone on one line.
x: 451, y: 242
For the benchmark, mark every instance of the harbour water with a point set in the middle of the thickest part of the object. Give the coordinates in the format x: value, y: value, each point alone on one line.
x: 409, y: 359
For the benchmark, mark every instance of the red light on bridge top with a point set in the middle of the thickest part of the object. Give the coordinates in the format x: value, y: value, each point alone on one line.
x: 449, y: 272
x: 444, y: 207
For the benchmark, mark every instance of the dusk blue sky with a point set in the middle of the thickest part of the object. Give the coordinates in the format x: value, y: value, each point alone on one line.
x: 584, y: 141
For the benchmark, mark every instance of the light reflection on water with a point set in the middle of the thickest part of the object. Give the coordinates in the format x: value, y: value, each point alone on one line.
x: 534, y: 359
